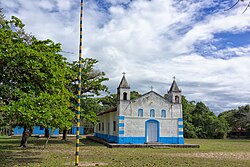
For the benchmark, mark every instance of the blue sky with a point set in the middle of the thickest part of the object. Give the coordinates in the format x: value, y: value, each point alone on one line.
x: 205, y: 47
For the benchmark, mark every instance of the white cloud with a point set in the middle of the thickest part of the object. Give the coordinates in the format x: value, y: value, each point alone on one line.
x: 63, y: 5
x: 152, y: 41
x: 115, y: 2
x: 46, y: 5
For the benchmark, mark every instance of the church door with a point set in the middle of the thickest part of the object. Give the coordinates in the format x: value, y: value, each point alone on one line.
x: 152, y: 131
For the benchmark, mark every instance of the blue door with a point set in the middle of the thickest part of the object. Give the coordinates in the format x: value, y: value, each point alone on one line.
x: 152, y: 131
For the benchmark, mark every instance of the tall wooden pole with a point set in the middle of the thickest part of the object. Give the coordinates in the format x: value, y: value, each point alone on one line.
x: 79, y: 90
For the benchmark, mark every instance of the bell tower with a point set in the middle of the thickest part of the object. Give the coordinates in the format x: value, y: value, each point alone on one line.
x: 123, y: 90
x: 174, y: 93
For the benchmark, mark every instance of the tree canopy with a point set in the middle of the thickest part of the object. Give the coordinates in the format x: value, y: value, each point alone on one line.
x: 200, y: 122
x: 238, y: 119
x: 33, y: 79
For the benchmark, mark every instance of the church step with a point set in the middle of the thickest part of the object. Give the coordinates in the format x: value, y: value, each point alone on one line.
x: 153, y: 143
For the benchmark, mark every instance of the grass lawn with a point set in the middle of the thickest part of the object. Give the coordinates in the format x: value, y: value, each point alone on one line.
x: 61, y: 153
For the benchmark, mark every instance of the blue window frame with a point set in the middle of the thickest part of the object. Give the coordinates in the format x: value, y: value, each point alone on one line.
x: 163, y: 113
x: 140, y: 112
x: 152, y: 113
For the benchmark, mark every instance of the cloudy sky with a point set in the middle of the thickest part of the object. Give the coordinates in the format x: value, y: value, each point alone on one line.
x: 205, y: 47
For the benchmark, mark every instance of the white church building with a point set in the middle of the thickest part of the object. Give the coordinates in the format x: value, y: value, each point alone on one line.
x: 148, y: 119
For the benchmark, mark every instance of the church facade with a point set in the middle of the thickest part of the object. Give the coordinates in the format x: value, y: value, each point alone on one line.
x: 148, y: 119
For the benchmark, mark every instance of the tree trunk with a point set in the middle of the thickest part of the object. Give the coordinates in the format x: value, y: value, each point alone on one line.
x: 46, y: 133
x: 27, y: 132
x: 46, y: 143
x: 64, y: 134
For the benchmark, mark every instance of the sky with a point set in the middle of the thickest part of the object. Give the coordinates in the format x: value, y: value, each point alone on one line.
x: 205, y: 47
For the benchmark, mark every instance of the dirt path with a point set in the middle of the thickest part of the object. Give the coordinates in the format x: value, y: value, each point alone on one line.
x: 215, y: 155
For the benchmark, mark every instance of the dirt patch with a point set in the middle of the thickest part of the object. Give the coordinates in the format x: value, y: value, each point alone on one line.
x: 90, y: 164
x: 215, y: 155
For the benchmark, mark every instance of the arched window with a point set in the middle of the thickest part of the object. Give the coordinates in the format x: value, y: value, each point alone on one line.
x: 124, y: 96
x: 140, y: 112
x: 163, y: 113
x: 114, y: 125
x: 152, y: 113
x: 102, y: 126
x: 176, y: 99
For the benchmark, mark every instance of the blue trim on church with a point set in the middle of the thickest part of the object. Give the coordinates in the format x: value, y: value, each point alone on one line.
x: 180, y: 126
x: 138, y: 140
x: 109, y: 138
x: 121, y: 117
x: 181, y: 140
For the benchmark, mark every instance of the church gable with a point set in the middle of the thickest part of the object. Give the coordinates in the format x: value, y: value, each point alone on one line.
x: 151, y: 98
x: 149, y: 105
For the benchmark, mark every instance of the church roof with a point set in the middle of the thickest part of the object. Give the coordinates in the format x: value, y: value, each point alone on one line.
x: 113, y: 109
x: 123, y: 83
x: 153, y: 93
x: 174, y: 87
x: 150, y: 92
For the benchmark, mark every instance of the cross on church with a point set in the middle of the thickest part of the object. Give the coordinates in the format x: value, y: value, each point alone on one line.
x: 123, y: 73
x: 174, y: 77
x: 151, y: 87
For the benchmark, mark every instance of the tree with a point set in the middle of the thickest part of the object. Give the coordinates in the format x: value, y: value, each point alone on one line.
x: 187, y: 109
x: 108, y: 101
x: 134, y: 95
x: 238, y: 119
x: 33, y: 80
x: 92, y: 85
x: 200, y: 122
x: 207, y: 124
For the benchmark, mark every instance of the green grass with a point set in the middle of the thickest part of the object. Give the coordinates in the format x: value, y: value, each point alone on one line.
x: 60, y: 153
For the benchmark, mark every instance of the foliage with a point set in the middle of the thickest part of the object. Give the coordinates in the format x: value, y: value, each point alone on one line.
x: 46, y: 110
x: 134, y: 95
x: 92, y: 80
x: 109, y: 101
x: 200, y: 122
x: 91, y: 87
x: 38, y: 84
x: 238, y: 119
x: 90, y: 106
x: 188, y: 107
x: 33, y: 79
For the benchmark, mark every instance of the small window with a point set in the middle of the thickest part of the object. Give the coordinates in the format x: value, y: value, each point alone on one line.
x: 102, y: 126
x: 177, y: 99
x: 114, y: 125
x: 163, y: 113
x: 99, y: 126
x: 124, y: 96
x: 152, y: 113
x: 140, y: 113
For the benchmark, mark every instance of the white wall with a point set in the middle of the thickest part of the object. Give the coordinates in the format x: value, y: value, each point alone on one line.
x: 135, y: 126
x: 108, y: 118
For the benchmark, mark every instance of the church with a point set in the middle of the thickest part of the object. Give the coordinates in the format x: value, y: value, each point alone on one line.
x: 150, y: 118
